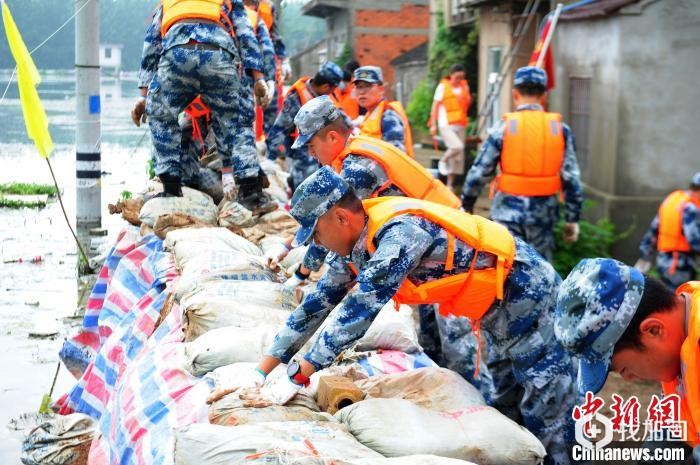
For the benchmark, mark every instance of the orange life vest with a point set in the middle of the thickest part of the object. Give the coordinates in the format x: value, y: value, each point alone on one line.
x: 671, y: 238
x: 403, y: 171
x: 468, y: 294
x: 689, y: 386
x: 195, y: 110
x: 208, y: 10
x: 302, y: 90
x: 253, y: 18
x: 532, y: 154
x: 456, y: 105
x: 348, y: 102
x: 265, y: 12
x: 371, y: 125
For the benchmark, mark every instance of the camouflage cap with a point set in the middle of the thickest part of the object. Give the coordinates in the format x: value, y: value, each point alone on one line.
x: 331, y: 72
x: 530, y: 75
x: 371, y: 74
x: 596, y: 303
x: 315, y: 115
x: 695, y: 182
x: 313, y: 198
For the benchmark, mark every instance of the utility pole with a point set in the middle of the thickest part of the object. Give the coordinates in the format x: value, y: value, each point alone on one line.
x: 88, y: 128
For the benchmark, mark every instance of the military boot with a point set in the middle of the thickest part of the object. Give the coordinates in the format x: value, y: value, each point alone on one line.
x: 252, y: 196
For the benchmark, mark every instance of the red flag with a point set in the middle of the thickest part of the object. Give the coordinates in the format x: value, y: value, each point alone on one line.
x: 548, y: 62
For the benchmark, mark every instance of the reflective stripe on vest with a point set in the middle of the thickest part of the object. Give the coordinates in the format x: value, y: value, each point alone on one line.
x: 468, y: 294
x: 532, y: 154
x: 208, y: 10
x: 671, y: 238
x: 456, y: 105
x: 371, y: 125
x: 265, y: 12
x: 403, y: 171
x: 252, y: 18
x: 689, y: 386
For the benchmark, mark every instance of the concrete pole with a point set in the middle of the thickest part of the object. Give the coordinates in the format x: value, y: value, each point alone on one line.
x: 88, y: 128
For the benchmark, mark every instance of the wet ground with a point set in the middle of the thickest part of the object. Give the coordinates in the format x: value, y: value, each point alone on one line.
x: 43, y: 297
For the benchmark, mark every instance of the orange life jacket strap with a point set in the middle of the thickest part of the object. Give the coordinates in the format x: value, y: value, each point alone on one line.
x: 450, y: 259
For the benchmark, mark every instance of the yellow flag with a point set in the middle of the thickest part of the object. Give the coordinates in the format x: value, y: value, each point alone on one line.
x: 28, y: 78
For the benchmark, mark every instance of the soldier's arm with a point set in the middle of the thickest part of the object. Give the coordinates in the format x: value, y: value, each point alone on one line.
x: 308, y: 316
x: 152, y: 49
x: 485, y: 164
x: 247, y: 42
x: 268, y: 52
x: 314, y: 257
x: 647, y: 248
x: 399, y: 251
x: 571, y: 179
x: 283, y: 125
x: 691, y: 227
x: 393, y: 131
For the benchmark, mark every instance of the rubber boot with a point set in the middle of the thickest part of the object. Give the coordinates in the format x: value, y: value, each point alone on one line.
x: 252, y: 196
x: 172, y: 185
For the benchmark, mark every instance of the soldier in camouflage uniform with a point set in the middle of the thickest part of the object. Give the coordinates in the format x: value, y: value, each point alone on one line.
x: 279, y: 137
x: 678, y: 266
x: 531, y: 218
x: 183, y: 58
x: 519, y: 329
x: 369, y: 88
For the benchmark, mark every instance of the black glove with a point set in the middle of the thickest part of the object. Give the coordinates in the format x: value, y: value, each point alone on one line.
x: 468, y: 203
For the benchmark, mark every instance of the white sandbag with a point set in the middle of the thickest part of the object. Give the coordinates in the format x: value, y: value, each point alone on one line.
x: 234, y: 409
x: 293, y: 259
x: 218, y: 265
x: 246, y: 304
x: 398, y: 427
x: 189, y: 242
x: 407, y: 460
x: 232, y: 213
x: 437, y: 389
x: 391, y: 330
x: 224, y: 346
x: 193, y: 203
x: 61, y: 440
x: 274, y: 443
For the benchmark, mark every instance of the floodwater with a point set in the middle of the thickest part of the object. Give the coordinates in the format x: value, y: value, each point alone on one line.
x: 44, y: 295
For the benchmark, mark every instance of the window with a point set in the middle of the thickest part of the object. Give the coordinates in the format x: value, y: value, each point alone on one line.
x: 108, y: 53
x: 580, y: 116
x: 493, y: 67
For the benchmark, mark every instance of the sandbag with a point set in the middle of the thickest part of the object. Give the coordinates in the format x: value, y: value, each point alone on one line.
x: 224, y: 346
x: 232, y: 410
x: 391, y: 330
x: 232, y: 213
x: 192, y: 203
x: 437, y: 389
x: 407, y: 460
x: 398, y: 427
x: 189, y: 242
x: 274, y: 443
x: 172, y: 221
x: 61, y: 440
x: 219, y: 265
x: 278, y: 222
x: 246, y: 304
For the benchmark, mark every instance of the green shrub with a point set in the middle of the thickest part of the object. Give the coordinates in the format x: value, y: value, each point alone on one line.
x: 418, y: 109
x: 345, y: 55
x: 20, y: 188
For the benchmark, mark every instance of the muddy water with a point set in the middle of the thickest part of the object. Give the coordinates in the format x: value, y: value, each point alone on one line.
x: 43, y: 297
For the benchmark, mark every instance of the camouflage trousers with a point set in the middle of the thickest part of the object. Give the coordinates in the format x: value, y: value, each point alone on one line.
x: 303, y: 165
x: 683, y: 271
x: 183, y: 73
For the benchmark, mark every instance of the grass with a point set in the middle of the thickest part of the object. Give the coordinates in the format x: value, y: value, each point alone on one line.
x: 21, y: 188
x: 17, y: 204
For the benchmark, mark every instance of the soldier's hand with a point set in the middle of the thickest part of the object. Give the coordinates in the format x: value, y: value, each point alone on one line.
x: 229, y: 185
x: 571, y: 232
x: 260, y: 91
x: 642, y: 265
x: 138, y: 114
x: 286, y: 69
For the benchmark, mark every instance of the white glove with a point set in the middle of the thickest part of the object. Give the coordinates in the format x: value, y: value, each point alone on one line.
x: 643, y: 266
x: 571, y: 232
x: 280, y: 391
x: 275, y: 254
x: 229, y: 185
x: 286, y: 69
x: 250, y: 378
x: 290, y: 284
x: 270, y: 91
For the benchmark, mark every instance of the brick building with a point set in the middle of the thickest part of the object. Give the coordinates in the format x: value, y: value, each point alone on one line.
x: 376, y: 31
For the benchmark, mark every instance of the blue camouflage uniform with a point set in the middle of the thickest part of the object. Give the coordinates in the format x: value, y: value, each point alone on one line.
x: 529, y: 218
x: 456, y: 346
x: 201, y: 58
x: 685, y: 262
x: 537, y: 384
x: 393, y: 130
x: 279, y: 140
x: 270, y: 113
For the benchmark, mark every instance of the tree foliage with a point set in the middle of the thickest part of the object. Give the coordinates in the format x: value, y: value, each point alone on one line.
x: 299, y: 31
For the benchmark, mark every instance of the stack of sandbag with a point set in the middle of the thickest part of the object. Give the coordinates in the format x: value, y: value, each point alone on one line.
x: 436, y: 412
x: 278, y: 188
x: 187, y: 244
x: 193, y: 203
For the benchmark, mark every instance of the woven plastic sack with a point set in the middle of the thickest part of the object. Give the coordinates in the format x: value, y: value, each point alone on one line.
x: 192, y: 202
